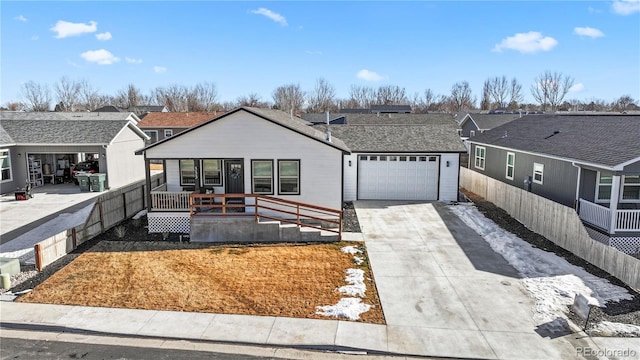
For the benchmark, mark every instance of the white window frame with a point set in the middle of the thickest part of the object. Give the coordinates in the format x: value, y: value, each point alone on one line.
x: 254, y: 177
x: 204, y: 178
x: 538, y: 169
x: 479, y: 161
x: 624, y: 185
x: 168, y: 133
x: 472, y: 133
x: 195, y: 176
x: 281, y: 177
x: 600, y: 184
x: 511, y: 166
x: 8, y: 157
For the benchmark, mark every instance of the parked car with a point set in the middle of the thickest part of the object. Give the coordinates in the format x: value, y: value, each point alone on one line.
x: 89, y: 166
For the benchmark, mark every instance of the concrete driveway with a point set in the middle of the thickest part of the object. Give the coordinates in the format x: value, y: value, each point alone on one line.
x: 445, y: 293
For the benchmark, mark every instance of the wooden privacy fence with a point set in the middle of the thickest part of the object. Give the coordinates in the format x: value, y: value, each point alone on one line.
x: 110, y: 209
x: 556, y: 222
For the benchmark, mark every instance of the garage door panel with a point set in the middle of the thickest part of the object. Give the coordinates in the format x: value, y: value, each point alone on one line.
x: 398, y: 177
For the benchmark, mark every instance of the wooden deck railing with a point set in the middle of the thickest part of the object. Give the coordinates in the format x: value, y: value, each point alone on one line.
x: 170, y: 200
x: 267, y: 207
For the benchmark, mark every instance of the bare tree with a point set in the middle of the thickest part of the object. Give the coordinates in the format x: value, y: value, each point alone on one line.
x: 550, y: 88
x: 68, y: 94
x: 289, y: 98
x: 623, y: 103
x: 129, y: 97
x: 174, y: 97
x: 391, y: 95
x: 499, y: 91
x: 322, y: 98
x: 89, y: 96
x: 202, y: 97
x: 361, y: 96
x: 485, y: 103
x: 15, y: 106
x: 252, y: 100
x: 461, y: 97
x: 515, y: 94
x: 36, y: 97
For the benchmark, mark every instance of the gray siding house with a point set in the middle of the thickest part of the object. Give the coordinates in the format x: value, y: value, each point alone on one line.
x: 41, y: 147
x: 589, y: 162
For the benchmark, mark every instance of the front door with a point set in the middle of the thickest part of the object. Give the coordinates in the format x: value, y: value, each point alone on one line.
x: 234, y: 174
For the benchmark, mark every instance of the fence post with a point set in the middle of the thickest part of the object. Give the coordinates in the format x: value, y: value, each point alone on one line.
x: 37, y: 249
x: 74, y: 239
x: 124, y: 204
x: 101, y: 215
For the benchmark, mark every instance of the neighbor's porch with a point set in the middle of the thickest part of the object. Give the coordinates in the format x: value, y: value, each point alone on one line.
x: 612, y: 221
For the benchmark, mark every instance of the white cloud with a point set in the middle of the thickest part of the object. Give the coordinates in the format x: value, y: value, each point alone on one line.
x: 530, y: 42
x: 34, y: 37
x: 65, y: 29
x: 160, y: 69
x: 21, y: 18
x: 102, y: 57
x: 625, y: 7
x: 593, y: 10
x: 104, y: 36
x: 133, y: 61
x: 271, y: 15
x: 588, y: 31
x: 577, y: 87
x: 367, y: 75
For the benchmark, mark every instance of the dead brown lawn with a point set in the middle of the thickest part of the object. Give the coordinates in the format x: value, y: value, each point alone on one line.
x: 273, y: 280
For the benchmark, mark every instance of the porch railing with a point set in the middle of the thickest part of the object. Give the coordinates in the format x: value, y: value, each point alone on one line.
x: 595, y: 214
x: 628, y: 220
x: 170, y: 200
x: 600, y: 216
x: 267, y: 207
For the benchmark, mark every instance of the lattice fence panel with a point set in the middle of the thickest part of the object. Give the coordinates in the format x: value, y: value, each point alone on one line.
x: 628, y: 245
x: 169, y: 223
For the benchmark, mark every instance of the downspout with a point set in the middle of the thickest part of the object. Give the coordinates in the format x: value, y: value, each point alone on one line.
x: 577, y: 200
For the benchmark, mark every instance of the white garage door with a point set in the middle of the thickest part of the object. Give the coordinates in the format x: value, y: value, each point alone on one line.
x: 398, y: 177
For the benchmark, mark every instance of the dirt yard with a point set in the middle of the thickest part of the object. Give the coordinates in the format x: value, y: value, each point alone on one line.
x: 274, y: 280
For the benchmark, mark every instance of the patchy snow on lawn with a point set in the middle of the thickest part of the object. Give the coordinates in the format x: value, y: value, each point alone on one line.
x: 552, y: 281
x: 139, y: 214
x: 22, y: 246
x: 356, y: 287
x: 607, y: 328
x: 346, y: 308
x: 351, y: 250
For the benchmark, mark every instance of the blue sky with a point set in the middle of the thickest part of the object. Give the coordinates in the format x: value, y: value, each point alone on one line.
x: 254, y: 47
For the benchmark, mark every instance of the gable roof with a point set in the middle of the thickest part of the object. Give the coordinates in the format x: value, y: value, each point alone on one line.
x: 5, y: 138
x: 436, y: 137
x: 175, y: 119
x: 489, y: 121
x: 390, y: 108
x: 277, y: 117
x: 61, y: 128
x: 609, y: 140
x: 321, y: 118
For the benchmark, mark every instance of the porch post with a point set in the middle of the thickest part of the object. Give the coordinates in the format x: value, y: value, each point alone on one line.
x: 613, y: 204
x: 147, y: 175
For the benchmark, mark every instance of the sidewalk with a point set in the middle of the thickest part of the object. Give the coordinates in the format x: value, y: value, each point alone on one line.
x: 443, y: 292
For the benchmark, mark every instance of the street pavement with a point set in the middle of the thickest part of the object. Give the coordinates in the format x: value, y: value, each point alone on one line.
x: 443, y: 291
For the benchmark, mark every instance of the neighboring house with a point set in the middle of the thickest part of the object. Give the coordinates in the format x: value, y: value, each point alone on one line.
x: 38, y: 146
x: 161, y: 125
x: 475, y: 124
x: 321, y: 118
x: 379, y: 109
x: 591, y: 163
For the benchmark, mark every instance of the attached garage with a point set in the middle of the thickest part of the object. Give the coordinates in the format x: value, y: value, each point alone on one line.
x: 398, y: 177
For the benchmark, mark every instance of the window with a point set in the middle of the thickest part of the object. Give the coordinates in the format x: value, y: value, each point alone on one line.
x: 262, y: 176
x: 472, y: 133
x: 168, y: 133
x: 630, y: 188
x: 211, y: 172
x: 187, y: 172
x: 603, y: 188
x: 480, y: 156
x: 153, y: 134
x: 511, y: 161
x: 5, y: 160
x: 538, y: 173
x: 289, y: 177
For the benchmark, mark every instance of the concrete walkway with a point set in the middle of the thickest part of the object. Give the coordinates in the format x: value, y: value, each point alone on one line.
x: 444, y: 294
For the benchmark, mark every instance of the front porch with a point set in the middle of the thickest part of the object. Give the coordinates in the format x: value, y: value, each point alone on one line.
x: 185, y: 212
x: 613, y: 222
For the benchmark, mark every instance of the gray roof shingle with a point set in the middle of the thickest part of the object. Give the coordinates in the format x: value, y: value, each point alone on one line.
x: 608, y: 140
x: 490, y: 121
x: 62, y: 128
x: 437, y: 137
x: 400, y: 119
